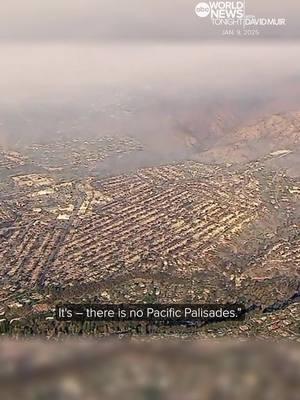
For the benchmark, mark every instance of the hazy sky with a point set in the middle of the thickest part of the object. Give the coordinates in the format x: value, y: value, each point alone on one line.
x: 98, y: 20
x: 165, y: 69
x: 141, y: 53
x: 62, y: 46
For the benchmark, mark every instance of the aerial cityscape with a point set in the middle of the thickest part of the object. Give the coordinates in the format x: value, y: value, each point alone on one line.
x: 148, y: 158
x: 149, y: 200
x: 181, y: 232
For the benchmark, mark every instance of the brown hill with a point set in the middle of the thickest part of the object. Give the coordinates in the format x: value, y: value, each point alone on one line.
x: 275, y: 138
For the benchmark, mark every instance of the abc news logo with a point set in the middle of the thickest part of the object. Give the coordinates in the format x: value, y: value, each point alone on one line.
x: 202, y: 10
x: 221, y: 9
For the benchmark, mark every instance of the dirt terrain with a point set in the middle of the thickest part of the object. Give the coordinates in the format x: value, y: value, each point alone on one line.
x: 276, y: 135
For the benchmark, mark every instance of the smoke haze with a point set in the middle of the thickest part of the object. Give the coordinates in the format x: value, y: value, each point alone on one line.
x: 144, y: 68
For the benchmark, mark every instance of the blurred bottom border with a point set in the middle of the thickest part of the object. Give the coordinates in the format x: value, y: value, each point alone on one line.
x: 149, y: 369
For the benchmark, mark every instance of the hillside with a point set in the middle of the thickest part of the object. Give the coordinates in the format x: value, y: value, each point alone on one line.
x: 261, y: 140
